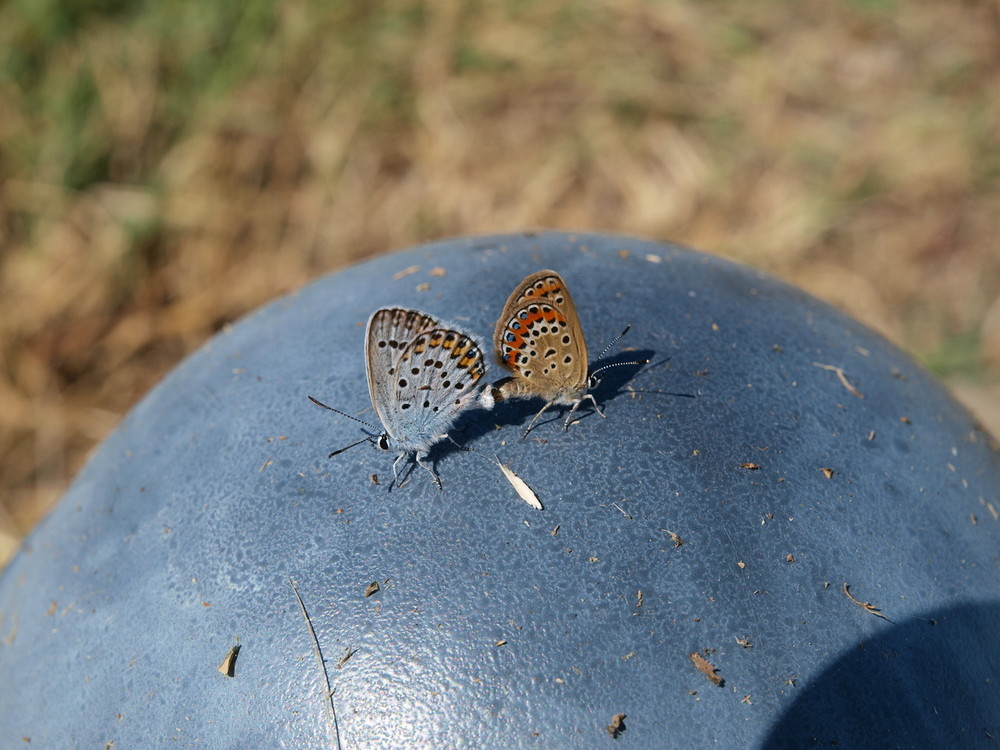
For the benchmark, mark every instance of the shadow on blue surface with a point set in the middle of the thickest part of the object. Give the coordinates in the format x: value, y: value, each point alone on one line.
x: 622, y: 369
x: 919, y: 685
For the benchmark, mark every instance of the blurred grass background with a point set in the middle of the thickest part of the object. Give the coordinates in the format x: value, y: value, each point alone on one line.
x: 167, y: 166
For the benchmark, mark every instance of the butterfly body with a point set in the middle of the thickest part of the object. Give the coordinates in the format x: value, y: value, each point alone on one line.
x: 422, y: 374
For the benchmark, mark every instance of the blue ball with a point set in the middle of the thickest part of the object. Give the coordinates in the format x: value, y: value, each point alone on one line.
x: 784, y: 533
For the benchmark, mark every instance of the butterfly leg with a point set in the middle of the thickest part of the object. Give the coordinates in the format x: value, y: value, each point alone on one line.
x: 578, y: 404
x: 430, y: 469
x: 535, y: 419
x: 395, y: 468
x: 453, y: 442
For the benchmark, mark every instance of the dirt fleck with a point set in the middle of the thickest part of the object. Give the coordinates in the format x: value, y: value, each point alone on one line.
x: 617, y: 725
x: 842, y: 377
x: 348, y: 653
x: 706, y: 668
x: 228, y: 665
x: 675, y: 538
x: 866, y: 606
x: 405, y: 272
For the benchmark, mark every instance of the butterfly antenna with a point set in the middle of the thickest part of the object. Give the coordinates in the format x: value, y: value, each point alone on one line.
x: 343, y: 414
x: 341, y: 450
x: 614, y: 341
x: 593, y: 376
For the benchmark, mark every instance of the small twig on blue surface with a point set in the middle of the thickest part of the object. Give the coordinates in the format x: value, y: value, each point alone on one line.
x: 322, y: 664
x: 841, y: 376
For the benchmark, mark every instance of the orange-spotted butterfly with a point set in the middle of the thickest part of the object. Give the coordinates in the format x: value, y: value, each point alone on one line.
x: 540, y: 339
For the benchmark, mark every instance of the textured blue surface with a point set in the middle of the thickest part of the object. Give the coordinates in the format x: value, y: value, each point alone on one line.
x: 184, y: 529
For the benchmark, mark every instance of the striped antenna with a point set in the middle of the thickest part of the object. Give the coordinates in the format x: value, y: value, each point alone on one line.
x: 367, y: 439
x: 343, y: 413
x: 592, y: 379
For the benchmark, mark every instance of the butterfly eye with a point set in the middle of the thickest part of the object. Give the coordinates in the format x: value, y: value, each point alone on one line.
x: 592, y: 381
x: 383, y: 442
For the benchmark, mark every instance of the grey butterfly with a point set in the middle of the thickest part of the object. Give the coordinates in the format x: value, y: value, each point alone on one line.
x: 422, y: 374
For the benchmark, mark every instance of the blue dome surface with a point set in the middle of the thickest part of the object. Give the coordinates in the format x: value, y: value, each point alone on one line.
x: 771, y: 452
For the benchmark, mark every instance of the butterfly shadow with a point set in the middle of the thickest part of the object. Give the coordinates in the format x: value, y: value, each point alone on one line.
x: 467, y: 429
x: 647, y: 369
x: 620, y: 370
x: 475, y: 423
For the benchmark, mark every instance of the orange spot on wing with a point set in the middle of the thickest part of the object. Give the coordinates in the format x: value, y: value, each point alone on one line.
x: 542, y: 313
x: 544, y: 288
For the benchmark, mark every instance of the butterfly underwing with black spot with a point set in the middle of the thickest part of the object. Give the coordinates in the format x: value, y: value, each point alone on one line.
x: 422, y: 374
x: 539, y: 338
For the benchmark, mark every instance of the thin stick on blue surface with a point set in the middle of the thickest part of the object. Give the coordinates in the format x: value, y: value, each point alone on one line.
x: 322, y: 664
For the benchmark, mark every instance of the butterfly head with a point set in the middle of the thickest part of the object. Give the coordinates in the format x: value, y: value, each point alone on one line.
x: 382, y: 442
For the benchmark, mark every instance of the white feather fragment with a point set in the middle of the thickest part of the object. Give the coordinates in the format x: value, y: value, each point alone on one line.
x: 520, y: 486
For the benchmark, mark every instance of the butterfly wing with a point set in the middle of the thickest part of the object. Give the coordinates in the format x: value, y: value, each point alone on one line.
x: 539, y: 337
x: 389, y: 331
x: 434, y: 379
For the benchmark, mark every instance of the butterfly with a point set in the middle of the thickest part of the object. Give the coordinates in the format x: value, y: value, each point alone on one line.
x: 539, y: 338
x: 422, y: 374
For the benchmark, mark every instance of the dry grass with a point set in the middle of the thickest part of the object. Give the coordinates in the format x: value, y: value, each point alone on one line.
x: 167, y: 169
